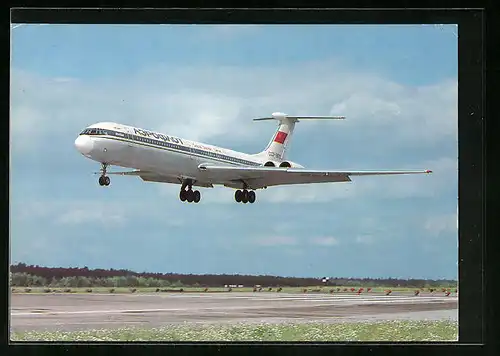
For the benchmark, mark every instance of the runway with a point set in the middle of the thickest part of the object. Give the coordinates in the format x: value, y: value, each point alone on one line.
x: 97, y: 311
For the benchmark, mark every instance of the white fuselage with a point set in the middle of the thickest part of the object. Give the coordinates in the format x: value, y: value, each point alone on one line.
x: 131, y: 147
x: 163, y: 158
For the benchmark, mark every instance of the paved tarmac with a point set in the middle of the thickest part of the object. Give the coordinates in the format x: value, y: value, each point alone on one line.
x: 97, y: 311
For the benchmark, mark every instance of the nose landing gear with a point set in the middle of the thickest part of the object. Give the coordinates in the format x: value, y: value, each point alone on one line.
x: 103, y: 179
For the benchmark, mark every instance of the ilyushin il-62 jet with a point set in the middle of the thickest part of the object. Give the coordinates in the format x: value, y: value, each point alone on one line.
x: 157, y: 157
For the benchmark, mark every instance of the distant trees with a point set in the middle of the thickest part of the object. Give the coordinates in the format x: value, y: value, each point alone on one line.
x: 25, y: 279
x: 28, y: 280
x: 29, y: 275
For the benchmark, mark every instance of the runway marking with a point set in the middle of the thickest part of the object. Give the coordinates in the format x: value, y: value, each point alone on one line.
x: 294, y: 297
x: 283, y: 297
x: 321, y: 298
x: 121, y: 311
x: 313, y: 303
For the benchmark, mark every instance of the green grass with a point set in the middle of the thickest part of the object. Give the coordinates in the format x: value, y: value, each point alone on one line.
x: 216, y: 289
x: 362, y: 331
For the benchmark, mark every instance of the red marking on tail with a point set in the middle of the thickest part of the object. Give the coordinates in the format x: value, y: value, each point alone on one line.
x: 280, y: 137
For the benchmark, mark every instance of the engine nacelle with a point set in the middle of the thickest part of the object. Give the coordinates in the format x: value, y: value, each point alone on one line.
x: 290, y: 164
x: 284, y: 164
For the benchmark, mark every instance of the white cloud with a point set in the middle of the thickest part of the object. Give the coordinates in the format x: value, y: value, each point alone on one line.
x: 445, y: 173
x: 423, y: 114
x: 205, y: 102
x: 365, y: 239
x: 204, y: 115
x: 92, y: 216
x: 79, y: 212
x: 440, y: 224
x: 75, y: 212
x: 286, y: 240
x: 294, y: 252
x: 325, y: 241
x: 25, y: 126
x: 308, y: 193
x: 275, y: 241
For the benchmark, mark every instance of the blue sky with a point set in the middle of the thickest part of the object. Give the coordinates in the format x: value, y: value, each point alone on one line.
x: 397, y: 86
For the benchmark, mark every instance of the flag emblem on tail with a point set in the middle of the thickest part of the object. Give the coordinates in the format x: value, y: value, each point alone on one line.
x: 280, y: 137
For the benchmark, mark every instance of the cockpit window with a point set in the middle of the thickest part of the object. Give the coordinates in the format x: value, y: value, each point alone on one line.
x: 93, y: 132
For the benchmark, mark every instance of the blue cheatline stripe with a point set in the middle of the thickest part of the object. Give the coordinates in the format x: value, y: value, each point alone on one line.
x: 169, y: 146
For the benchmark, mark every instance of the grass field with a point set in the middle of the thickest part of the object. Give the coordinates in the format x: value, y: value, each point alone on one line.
x: 380, y: 331
x: 212, y: 290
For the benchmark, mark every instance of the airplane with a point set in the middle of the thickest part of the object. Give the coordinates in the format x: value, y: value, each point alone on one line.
x: 157, y: 157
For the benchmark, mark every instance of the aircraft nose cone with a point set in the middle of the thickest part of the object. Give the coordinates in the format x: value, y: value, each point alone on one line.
x: 84, y: 144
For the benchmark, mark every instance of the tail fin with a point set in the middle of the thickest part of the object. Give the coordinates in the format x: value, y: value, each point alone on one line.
x: 276, y: 148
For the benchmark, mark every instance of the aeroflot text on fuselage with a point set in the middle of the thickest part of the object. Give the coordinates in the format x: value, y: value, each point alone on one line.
x: 165, y: 138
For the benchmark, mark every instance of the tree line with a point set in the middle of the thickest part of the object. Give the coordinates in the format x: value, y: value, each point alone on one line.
x: 28, y: 280
x: 25, y: 275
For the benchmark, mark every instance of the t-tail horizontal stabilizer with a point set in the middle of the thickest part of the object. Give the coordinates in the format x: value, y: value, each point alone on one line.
x: 281, y: 116
x: 277, y: 147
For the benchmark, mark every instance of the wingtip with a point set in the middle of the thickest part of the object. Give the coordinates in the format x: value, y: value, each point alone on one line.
x: 428, y: 171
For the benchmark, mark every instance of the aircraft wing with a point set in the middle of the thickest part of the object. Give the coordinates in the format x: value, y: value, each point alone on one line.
x: 259, y: 177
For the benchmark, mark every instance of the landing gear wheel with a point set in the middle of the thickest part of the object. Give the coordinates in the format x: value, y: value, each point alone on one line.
x: 103, y: 179
x: 196, y: 196
x: 182, y: 195
x: 244, y: 198
x: 189, y: 196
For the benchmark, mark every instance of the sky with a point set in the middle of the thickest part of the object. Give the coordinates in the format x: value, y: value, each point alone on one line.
x: 396, y: 85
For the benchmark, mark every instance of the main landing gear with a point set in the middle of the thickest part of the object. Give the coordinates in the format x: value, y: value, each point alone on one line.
x: 189, y: 195
x: 244, y: 196
x: 103, y: 179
